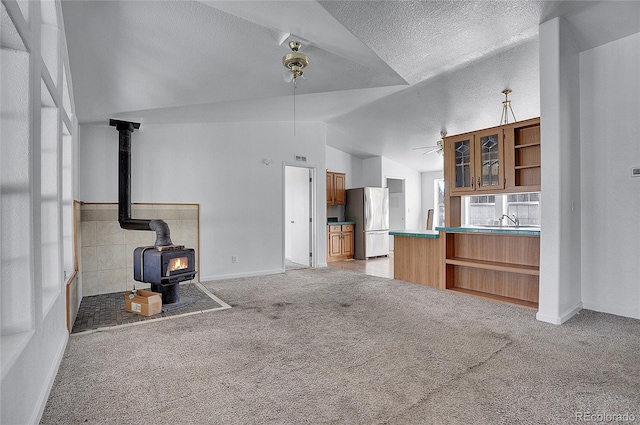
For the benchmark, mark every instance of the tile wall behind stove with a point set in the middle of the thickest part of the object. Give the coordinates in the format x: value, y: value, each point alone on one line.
x: 105, y: 251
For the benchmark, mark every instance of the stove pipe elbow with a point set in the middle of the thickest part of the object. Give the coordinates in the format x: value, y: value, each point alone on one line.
x: 163, y: 235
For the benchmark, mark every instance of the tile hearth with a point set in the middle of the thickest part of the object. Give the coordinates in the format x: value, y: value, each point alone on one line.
x: 107, y: 310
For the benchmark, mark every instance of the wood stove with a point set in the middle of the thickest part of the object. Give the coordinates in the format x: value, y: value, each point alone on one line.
x: 163, y: 265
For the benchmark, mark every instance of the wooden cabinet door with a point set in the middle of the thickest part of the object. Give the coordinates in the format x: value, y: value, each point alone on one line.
x: 347, y: 244
x: 334, y: 246
x: 330, y: 188
x: 339, y: 187
x: 459, y: 165
x: 489, y: 160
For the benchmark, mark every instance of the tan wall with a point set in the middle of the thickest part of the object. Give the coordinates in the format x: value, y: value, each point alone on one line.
x: 106, y: 251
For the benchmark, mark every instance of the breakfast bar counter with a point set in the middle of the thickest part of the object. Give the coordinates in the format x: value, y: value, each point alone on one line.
x: 418, y: 257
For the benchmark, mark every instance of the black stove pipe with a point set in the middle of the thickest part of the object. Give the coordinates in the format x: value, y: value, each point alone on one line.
x: 163, y: 235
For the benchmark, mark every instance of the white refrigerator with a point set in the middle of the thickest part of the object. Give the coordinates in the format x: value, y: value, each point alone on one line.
x: 368, y: 207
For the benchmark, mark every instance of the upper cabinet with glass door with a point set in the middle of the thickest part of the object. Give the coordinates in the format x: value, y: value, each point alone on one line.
x: 459, y: 160
x: 474, y: 161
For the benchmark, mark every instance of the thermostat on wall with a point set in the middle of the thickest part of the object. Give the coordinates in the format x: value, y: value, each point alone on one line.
x: 635, y: 172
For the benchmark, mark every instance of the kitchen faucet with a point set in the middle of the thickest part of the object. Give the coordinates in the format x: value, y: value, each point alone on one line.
x: 515, y: 220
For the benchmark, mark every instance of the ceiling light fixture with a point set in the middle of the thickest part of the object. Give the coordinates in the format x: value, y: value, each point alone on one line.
x: 295, y: 62
x: 506, y: 107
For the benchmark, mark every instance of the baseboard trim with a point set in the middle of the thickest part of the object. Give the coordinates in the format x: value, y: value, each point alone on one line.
x: 569, y: 314
x: 554, y: 320
x: 558, y: 320
x: 238, y: 275
x: 612, y: 310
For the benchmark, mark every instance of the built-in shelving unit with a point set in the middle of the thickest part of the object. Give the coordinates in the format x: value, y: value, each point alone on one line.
x: 500, y: 267
x: 495, y: 265
x: 499, y: 298
x: 526, y: 155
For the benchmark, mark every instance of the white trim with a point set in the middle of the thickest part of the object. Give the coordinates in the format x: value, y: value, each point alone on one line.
x: 554, y: 320
x: 237, y: 275
x: 213, y: 297
x: 48, y: 385
x: 570, y: 313
x: 558, y: 320
x: 20, y: 23
x: 313, y: 203
x: 612, y: 309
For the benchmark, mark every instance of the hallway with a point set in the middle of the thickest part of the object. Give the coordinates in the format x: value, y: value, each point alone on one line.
x: 379, y: 266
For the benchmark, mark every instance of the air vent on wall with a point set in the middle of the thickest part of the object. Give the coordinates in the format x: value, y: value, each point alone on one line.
x: 635, y: 172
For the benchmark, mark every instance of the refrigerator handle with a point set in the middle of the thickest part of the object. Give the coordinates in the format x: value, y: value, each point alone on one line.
x: 365, y: 210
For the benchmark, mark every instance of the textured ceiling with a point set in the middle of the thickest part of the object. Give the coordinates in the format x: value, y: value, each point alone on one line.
x: 385, y: 75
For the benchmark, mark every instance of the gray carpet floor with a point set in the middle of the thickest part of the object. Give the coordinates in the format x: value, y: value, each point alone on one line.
x: 325, y: 346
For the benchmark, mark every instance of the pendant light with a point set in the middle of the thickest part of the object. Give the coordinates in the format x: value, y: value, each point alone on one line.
x: 506, y: 107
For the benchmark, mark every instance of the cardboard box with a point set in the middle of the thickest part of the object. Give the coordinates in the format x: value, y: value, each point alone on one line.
x: 143, y: 302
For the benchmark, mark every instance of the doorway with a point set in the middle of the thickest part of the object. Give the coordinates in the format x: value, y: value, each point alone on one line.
x: 396, y: 206
x: 298, y: 211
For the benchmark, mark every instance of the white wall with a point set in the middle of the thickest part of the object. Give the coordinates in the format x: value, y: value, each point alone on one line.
x: 372, y: 172
x: 412, y: 189
x: 220, y: 166
x: 343, y: 162
x: 610, y: 146
x: 560, y: 244
x: 428, y: 193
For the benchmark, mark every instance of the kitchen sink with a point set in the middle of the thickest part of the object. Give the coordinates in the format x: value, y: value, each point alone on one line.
x: 512, y: 227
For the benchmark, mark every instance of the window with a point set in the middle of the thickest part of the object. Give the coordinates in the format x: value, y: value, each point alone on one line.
x: 487, y: 210
x: 438, y: 201
x: 482, y: 210
x: 525, y: 206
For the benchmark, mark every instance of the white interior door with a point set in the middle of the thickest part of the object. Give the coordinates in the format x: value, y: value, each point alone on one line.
x: 297, y: 215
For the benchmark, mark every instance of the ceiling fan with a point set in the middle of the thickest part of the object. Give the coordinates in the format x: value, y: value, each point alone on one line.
x: 437, y: 148
x: 295, y: 62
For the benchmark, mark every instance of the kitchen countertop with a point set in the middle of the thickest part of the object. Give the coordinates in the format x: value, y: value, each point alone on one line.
x: 339, y: 223
x: 416, y: 233
x: 506, y: 230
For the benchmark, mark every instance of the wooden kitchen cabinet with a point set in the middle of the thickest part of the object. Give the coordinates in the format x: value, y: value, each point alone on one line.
x: 474, y: 162
x: 336, y: 188
x: 504, y: 159
x: 339, y: 242
x: 522, y: 156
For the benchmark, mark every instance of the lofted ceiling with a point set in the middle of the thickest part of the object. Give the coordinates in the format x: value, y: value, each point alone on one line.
x: 386, y: 76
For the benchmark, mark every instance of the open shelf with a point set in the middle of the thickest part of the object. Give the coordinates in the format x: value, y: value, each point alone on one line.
x: 493, y: 297
x: 524, y: 167
x: 498, y: 267
x: 527, y: 145
x: 494, y: 265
